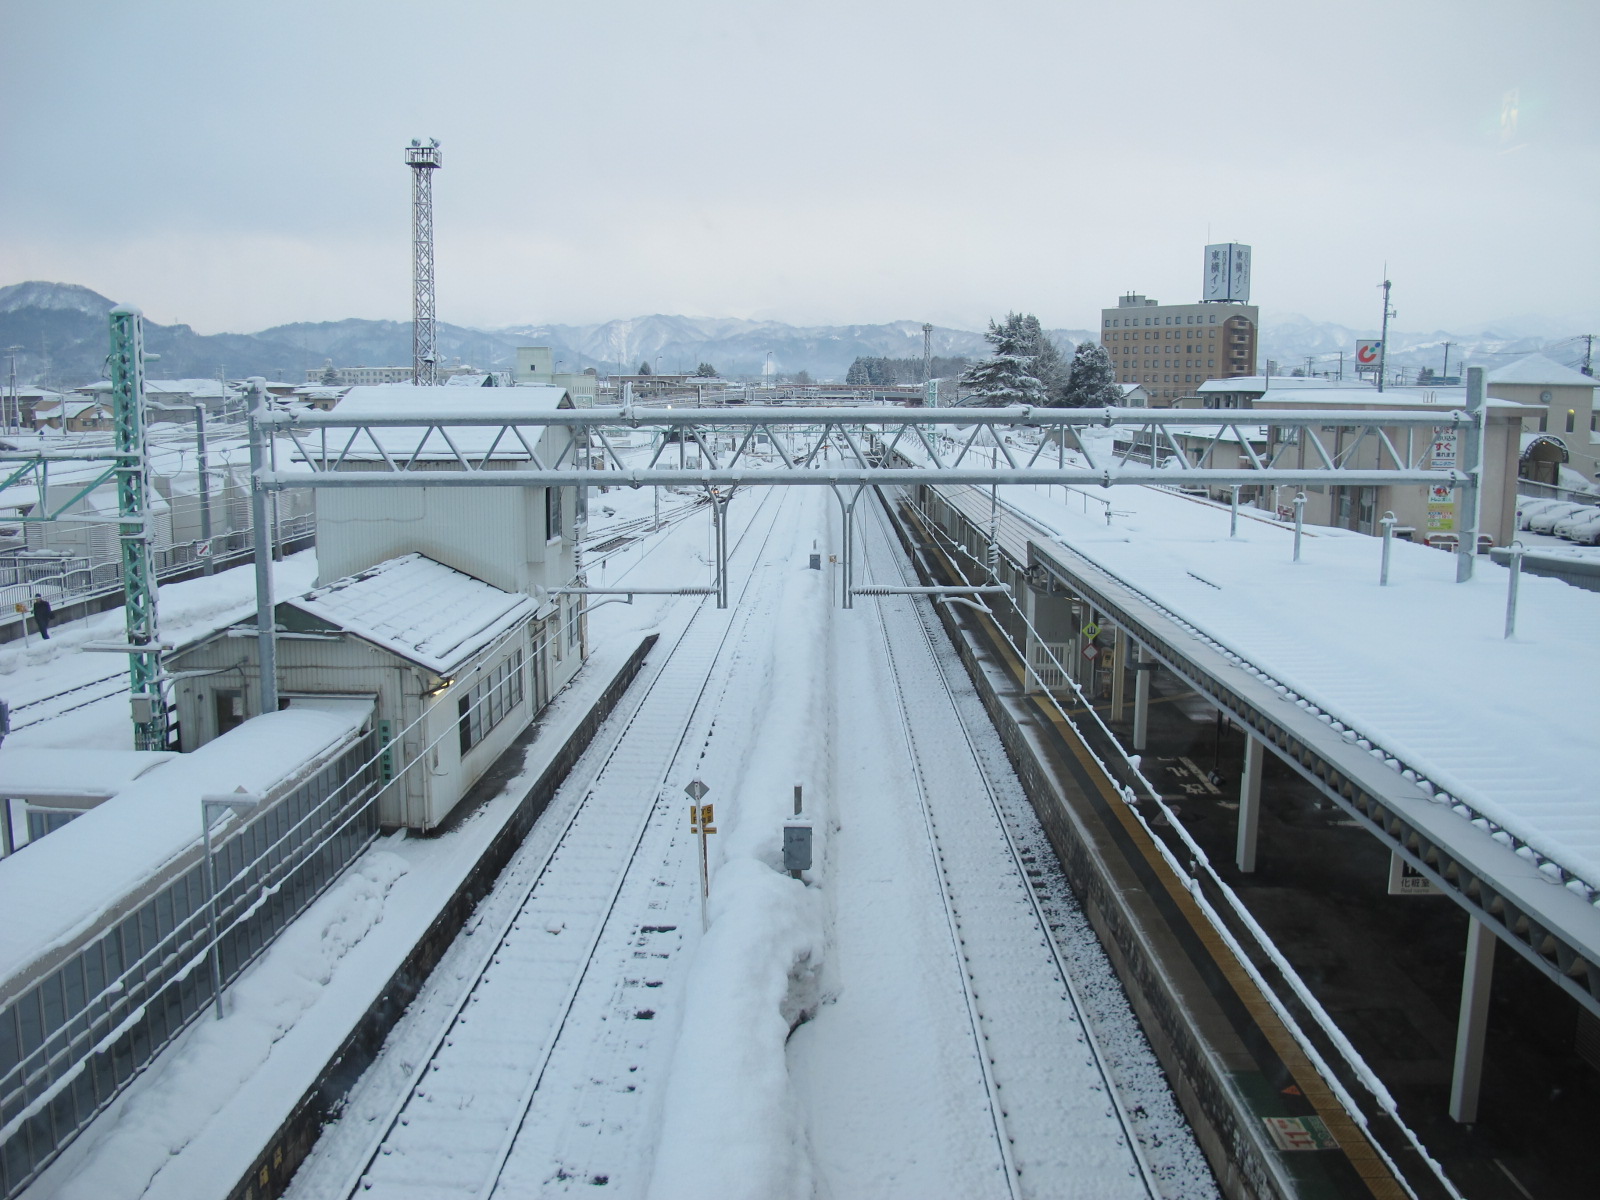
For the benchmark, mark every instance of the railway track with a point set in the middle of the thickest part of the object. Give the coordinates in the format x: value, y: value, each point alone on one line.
x: 59, y: 704
x: 1053, y: 1105
x: 568, y: 940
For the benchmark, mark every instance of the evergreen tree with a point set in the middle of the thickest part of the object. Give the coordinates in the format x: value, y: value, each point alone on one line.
x: 705, y: 371
x: 857, y: 374
x: 644, y: 368
x: 1005, y: 379
x: 1092, y: 382
x: 1009, y: 375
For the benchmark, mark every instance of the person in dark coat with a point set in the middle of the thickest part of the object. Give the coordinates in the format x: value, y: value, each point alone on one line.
x: 42, y: 614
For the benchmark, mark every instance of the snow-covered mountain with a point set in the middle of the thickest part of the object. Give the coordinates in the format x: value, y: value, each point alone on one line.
x: 61, y: 328
x: 1291, y: 339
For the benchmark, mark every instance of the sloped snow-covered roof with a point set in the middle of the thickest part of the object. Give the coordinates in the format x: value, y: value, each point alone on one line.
x: 1538, y: 369
x: 419, y: 609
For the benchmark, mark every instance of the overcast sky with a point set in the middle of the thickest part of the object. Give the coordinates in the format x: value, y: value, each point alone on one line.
x: 236, y: 166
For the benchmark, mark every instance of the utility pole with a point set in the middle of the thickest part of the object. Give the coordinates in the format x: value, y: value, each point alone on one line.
x: 1308, y: 366
x: 1445, y: 374
x: 1383, y: 343
x: 1588, y: 361
x: 423, y: 161
x: 1341, y: 366
x: 14, y: 412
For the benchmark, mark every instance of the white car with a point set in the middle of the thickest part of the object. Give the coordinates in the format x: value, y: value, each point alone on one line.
x: 1529, y: 507
x: 1581, y: 526
x: 1545, y: 520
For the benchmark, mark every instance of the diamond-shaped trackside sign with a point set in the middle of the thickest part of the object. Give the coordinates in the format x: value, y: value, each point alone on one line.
x: 696, y: 789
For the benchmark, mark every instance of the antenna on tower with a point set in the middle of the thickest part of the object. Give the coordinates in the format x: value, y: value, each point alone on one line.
x: 423, y: 161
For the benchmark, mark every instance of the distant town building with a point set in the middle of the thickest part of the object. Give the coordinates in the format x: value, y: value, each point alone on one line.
x: 1563, y: 410
x: 1173, y: 348
x: 536, y: 365
x: 332, y: 376
x: 174, y: 399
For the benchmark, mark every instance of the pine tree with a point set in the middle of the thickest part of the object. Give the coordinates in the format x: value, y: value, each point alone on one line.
x: 1092, y: 382
x: 644, y: 368
x: 1010, y: 376
x: 1005, y: 379
x: 705, y: 371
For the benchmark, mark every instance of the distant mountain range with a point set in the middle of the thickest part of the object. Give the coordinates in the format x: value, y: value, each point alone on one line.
x: 61, y: 331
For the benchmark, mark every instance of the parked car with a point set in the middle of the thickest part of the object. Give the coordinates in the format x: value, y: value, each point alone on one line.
x: 1529, y: 507
x: 1575, y: 528
x: 1545, y: 520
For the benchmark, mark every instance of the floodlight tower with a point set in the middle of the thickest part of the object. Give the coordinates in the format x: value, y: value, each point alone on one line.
x: 927, y: 352
x: 423, y: 161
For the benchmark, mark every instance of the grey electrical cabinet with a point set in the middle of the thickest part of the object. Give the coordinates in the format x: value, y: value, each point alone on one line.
x: 797, y: 847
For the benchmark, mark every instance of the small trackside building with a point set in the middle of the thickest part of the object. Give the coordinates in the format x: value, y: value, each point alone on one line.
x: 433, y: 602
x: 453, y: 665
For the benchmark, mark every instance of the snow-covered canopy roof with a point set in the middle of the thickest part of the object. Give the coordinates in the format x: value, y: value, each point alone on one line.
x: 1447, y: 398
x: 419, y: 609
x: 53, y: 776
x: 436, y: 403
x: 64, y: 884
x: 1261, y: 383
x: 1536, y: 370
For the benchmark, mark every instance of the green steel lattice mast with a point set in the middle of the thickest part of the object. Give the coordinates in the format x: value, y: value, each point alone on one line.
x: 146, y: 686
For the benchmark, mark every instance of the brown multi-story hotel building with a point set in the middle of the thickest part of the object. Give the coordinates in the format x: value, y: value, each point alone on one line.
x: 1173, y: 348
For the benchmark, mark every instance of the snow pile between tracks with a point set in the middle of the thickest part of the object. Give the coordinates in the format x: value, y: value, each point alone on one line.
x: 730, y: 1129
x: 730, y: 1126
x: 154, y: 1123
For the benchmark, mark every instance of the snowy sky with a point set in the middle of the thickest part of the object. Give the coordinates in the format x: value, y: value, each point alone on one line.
x: 235, y: 166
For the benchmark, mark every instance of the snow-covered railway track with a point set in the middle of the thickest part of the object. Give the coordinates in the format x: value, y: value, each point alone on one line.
x: 1059, y: 1125
x: 59, y: 704
x: 473, y: 1095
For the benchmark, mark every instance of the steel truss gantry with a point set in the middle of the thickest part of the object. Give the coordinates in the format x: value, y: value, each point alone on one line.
x: 864, y: 446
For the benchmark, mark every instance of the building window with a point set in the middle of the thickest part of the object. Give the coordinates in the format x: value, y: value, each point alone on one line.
x: 552, y: 513
x: 489, y: 701
x: 1572, y: 419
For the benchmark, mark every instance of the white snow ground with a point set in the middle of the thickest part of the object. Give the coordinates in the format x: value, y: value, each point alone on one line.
x: 879, y: 1093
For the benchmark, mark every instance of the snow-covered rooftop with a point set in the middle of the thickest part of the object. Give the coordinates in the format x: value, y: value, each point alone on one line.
x: 59, y: 887
x: 422, y: 610
x: 1260, y: 383
x: 1448, y: 398
x: 1538, y: 369
x: 44, y: 774
x: 429, y: 404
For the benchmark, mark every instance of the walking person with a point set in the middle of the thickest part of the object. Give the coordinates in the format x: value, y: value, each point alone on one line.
x: 42, y: 615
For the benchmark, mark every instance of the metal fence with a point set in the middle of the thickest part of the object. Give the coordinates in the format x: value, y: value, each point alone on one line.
x: 74, y: 1038
x: 68, y: 579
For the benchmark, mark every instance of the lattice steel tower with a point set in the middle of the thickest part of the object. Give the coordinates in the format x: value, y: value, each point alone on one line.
x: 423, y: 161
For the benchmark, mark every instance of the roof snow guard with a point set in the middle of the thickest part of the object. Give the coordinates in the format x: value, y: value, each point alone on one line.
x: 1549, y: 915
